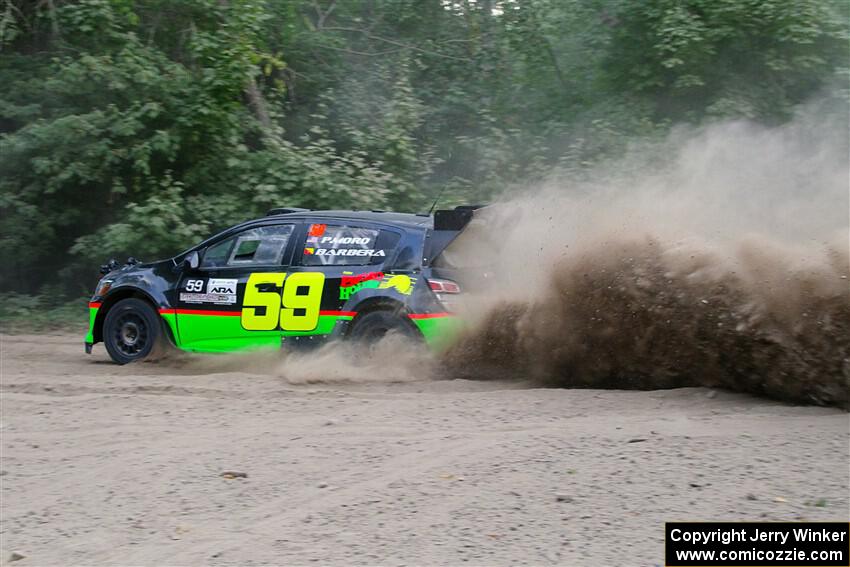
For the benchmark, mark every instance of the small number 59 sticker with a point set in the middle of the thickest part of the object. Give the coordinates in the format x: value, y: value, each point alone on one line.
x: 194, y: 285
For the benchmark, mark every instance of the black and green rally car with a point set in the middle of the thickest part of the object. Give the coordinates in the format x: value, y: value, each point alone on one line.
x: 294, y: 276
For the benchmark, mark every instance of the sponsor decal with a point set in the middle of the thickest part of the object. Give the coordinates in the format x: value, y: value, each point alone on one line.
x: 401, y: 283
x: 219, y: 292
x: 215, y: 298
x: 219, y: 285
x: 351, y: 284
x: 309, y: 251
x: 345, y: 240
x: 349, y: 252
x: 352, y: 280
x: 317, y: 229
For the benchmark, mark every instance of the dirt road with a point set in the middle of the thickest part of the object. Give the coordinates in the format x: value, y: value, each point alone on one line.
x: 110, y: 465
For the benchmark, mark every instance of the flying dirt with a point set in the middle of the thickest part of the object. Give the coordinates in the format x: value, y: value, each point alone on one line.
x: 642, y: 315
x: 726, y: 266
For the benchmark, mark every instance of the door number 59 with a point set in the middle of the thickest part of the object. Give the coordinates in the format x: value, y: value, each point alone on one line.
x: 286, y: 309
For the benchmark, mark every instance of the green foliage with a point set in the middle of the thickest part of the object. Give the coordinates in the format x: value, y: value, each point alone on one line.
x: 138, y: 127
x: 27, y: 313
x: 722, y: 58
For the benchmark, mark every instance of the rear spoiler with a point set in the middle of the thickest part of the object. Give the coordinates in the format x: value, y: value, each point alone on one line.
x: 448, y: 224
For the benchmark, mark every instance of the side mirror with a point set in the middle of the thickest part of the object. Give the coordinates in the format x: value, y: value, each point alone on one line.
x: 192, y: 260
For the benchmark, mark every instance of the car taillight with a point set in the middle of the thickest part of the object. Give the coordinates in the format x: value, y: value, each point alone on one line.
x: 443, y: 286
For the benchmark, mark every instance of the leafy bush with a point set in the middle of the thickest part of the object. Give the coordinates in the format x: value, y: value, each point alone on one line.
x: 137, y: 127
x: 38, y: 313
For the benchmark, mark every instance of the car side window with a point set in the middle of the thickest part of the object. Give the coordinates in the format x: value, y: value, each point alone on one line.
x: 217, y: 254
x: 260, y: 246
x: 339, y: 245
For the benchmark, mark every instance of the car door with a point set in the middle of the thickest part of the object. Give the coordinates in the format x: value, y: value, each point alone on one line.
x: 351, y: 256
x: 232, y: 301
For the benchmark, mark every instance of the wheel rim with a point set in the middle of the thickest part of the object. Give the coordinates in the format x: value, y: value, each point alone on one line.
x: 376, y: 334
x: 131, y: 334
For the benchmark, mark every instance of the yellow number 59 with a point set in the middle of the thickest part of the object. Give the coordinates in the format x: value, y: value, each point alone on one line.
x: 309, y: 302
x: 280, y: 306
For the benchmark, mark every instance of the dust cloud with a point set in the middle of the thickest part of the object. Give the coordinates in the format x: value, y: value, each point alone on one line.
x: 717, y: 257
x: 392, y: 359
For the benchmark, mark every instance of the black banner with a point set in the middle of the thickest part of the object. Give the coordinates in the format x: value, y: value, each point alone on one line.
x: 762, y: 544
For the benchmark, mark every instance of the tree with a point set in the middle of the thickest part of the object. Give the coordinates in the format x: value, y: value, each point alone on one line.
x: 140, y: 126
x: 721, y: 58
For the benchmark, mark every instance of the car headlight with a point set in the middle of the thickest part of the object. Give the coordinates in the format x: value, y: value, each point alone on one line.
x: 102, y: 287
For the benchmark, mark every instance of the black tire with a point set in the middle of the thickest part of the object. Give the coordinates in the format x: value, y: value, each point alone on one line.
x: 372, y: 327
x: 132, y: 331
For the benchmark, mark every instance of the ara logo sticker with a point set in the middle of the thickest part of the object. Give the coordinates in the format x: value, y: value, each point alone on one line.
x: 222, y: 291
x: 219, y: 285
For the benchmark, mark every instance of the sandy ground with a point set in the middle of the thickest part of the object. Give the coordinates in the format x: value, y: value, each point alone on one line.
x: 111, y: 465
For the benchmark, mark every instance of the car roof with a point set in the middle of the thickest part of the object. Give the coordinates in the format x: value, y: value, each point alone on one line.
x: 401, y: 219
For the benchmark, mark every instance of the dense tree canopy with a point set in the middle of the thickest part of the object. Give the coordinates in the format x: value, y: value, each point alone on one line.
x: 140, y: 126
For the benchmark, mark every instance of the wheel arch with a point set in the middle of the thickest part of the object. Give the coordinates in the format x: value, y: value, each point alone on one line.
x: 380, y: 303
x: 119, y: 295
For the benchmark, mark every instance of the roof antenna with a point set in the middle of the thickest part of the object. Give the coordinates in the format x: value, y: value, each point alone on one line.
x: 434, y: 206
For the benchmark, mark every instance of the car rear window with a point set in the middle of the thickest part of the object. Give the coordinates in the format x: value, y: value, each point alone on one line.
x: 346, y: 245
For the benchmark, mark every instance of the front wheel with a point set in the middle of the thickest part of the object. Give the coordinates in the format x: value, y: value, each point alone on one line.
x: 132, y: 331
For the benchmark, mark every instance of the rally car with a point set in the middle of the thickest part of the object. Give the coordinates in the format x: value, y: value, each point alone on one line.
x: 291, y: 277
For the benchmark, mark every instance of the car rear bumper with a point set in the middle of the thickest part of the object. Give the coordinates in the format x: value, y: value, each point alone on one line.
x: 439, y: 329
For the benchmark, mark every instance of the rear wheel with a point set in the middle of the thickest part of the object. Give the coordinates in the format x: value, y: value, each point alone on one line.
x: 132, y: 331
x: 374, y: 326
